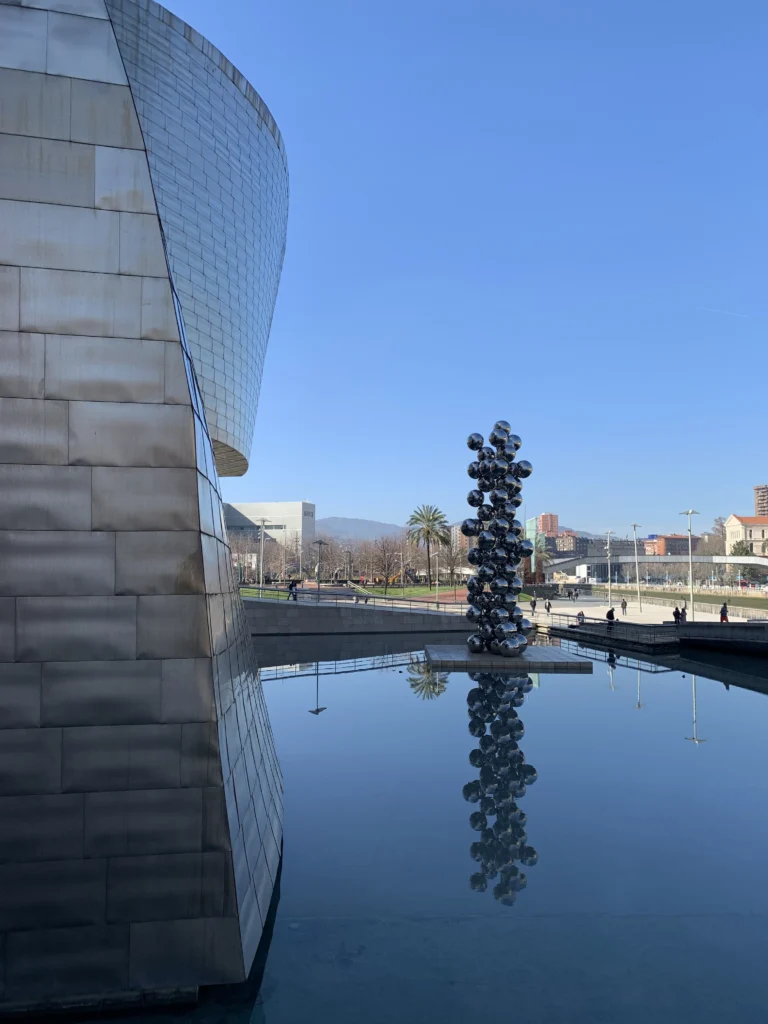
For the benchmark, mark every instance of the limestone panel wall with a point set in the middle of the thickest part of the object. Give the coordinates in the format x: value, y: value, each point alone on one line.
x: 140, y: 796
x: 220, y: 173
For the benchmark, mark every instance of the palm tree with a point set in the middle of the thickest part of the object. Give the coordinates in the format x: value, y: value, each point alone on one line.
x: 543, y: 555
x: 425, y: 682
x: 428, y: 526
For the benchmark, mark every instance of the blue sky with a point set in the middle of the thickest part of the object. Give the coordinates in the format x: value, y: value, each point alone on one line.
x: 550, y: 211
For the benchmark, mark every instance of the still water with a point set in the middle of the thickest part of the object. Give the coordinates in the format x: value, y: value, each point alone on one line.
x: 648, y: 901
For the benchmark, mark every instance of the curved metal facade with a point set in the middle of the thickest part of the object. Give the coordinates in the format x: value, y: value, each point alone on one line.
x: 220, y: 176
x: 140, y: 793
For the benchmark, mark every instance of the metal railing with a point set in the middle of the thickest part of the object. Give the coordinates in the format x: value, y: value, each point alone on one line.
x: 351, y: 598
x: 631, y: 632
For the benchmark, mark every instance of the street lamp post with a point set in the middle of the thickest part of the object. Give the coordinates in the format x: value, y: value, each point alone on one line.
x: 402, y: 571
x: 690, y: 512
x: 262, y: 522
x: 436, y: 556
x: 637, y: 567
x: 320, y: 545
x: 608, y: 552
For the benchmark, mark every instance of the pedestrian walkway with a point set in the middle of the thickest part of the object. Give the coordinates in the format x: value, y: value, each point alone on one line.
x: 651, y: 614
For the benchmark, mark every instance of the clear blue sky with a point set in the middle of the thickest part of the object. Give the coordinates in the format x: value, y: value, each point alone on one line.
x: 550, y: 211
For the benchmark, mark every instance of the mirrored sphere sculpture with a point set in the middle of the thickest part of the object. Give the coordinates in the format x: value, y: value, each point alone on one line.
x: 500, y: 547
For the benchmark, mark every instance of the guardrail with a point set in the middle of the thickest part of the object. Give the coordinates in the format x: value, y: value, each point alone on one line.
x: 616, y: 631
x: 346, y: 598
x: 343, y: 666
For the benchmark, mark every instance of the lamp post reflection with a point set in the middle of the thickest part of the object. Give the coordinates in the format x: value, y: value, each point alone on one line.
x: 638, y: 705
x: 695, y: 739
x: 317, y: 709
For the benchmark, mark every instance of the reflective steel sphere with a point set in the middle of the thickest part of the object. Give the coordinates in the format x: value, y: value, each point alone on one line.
x: 516, y: 528
x: 510, y: 451
x: 504, y: 631
x: 526, y: 548
x: 475, y: 442
x: 515, y: 440
x: 486, y: 631
x: 500, y: 467
x: 516, y: 500
x: 485, y: 573
x: 486, y: 454
x: 478, y: 821
x: 499, y: 526
x: 474, y: 557
x: 517, y: 615
x: 475, y: 498
x: 499, y: 554
x: 508, y: 648
x: 486, y: 513
x: 498, y: 615
x: 485, y: 540
x: 525, y: 626
x: 485, y: 483
x: 502, y: 426
x: 497, y: 437
x: 510, y: 509
x: 510, y: 601
x: 473, y: 613
x: 473, y: 470
x: 523, y: 469
x: 499, y: 585
x: 512, y: 484
x: 498, y: 496
x: 471, y: 527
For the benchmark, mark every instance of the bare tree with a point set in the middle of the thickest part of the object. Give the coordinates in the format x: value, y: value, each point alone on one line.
x: 386, y: 558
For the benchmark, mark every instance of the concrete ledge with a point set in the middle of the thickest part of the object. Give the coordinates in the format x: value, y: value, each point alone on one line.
x: 457, y: 658
x: 288, y: 618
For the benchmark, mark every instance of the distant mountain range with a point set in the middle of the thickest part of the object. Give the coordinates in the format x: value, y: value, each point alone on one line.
x: 354, y: 529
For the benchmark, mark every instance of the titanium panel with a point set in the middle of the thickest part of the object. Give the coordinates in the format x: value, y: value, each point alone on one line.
x: 7, y: 629
x: 155, y: 888
x: 136, y: 822
x: 22, y: 39
x: 83, y: 48
x: 172, y: 627
x: 46, y: 170
x: 30, y: 761
x: 19, y: 696
x: 59, y: 237
x: 65, y: 962
x: 49, y: 894
x: 176, y: 383
x: 104, y: 115
x: 56, y: 563
x: 106, y: 757
x: 33, y: 432
x: 141, y: 247
x: 45, y: 497
x: 34, y: 104
x: 196, y: 952
x: 158, y: 317
x: 122, y: 181
x: 69, y: 302
x: 144, y: 499
x: 104, y: 369
x: 100, y: 692
x: 127, y: 434
x: 9, y: 298
x: 187, y: 690
x: 22, y: 365
x: 86, y: 8
x: 75, y: 628
x: 159, y: 563
x: 41, y: 827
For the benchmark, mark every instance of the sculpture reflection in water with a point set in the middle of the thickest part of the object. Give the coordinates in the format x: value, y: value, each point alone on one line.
x: 504, y: 778
x: 499, y: 544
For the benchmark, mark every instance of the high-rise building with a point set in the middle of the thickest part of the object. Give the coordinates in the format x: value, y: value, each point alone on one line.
x: 143, y: 205
x: 548, y: 524
x: 761, y: 500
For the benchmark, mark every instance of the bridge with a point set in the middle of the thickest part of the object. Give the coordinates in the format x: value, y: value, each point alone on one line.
x: 567, y: 565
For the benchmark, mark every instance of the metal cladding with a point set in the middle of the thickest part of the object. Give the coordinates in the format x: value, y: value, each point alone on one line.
x: 499, y: 550
x: 140, y: 793
x: 504, y: 778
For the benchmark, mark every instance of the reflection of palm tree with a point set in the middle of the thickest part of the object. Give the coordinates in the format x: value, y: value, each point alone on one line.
x: 425, y: 682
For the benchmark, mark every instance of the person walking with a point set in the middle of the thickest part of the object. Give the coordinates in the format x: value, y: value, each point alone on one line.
x: 610, y: 616
x: 580, y: 618
x: 683, y: 615
x: 676, y: 615
x: 623, y: 606
x: 533, y: 606
x: 724, y: 613
x: 548, y: 606
x: 293, y: 591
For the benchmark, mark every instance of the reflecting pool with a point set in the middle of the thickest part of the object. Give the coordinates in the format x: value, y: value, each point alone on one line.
x: 648, y: 818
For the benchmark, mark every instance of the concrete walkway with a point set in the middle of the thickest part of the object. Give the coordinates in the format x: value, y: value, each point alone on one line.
x: 652, y: 614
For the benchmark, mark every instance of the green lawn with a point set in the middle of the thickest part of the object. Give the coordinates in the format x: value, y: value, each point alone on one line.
x: 279, y: 595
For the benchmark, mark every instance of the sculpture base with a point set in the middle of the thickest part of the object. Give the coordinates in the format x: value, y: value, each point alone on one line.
x: 457, y: 658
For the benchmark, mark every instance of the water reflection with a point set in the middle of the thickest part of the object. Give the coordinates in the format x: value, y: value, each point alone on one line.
x: 424, y: 680
x: 503, y: 779
x: 695, y: 739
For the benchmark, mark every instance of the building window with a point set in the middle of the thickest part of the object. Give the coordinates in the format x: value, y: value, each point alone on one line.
x: 751, y: 547
x: 749, y: 533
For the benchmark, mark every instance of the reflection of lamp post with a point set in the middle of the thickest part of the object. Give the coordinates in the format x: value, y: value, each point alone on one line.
x: 638, y: 705
x: 320, y: 545
x: 695, y: 738
x: 690, y: 512
x: 317, y: 709
x: 637, y: 566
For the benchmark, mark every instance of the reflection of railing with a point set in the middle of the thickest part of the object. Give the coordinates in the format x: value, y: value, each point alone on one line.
x: 346, y: 598
x: 581, y: 649
x: 342, y: 667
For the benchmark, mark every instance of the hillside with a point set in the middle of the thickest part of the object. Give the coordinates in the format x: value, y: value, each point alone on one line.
x: 354, y: 529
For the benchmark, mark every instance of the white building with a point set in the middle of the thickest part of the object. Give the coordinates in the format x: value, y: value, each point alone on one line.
x: 287, y: 522
x: 752, y: 529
